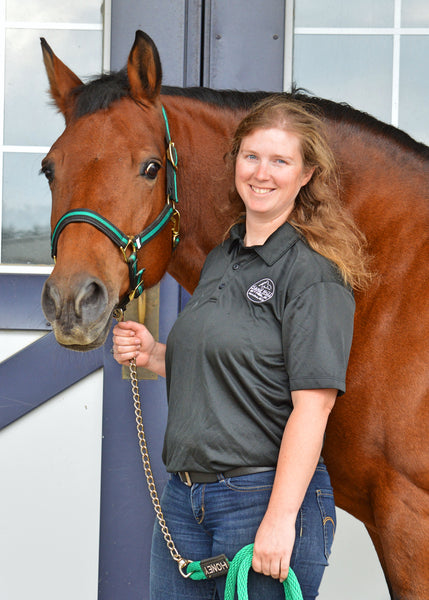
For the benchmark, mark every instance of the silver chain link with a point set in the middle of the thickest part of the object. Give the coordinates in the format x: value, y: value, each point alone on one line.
x: 182, y: 562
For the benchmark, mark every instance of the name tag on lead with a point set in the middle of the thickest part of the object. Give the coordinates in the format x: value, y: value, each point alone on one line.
x: 215, y: 566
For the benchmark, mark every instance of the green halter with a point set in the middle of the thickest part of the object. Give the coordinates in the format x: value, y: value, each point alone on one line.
x: 133, y: 243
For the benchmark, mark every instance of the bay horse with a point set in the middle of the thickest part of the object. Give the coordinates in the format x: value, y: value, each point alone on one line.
x: 107, y: 174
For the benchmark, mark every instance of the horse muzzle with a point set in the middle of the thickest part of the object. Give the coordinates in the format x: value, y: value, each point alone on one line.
x: 80, y: 313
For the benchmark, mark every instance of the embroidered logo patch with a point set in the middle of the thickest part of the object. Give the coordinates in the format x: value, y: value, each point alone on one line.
x: 261, y: 291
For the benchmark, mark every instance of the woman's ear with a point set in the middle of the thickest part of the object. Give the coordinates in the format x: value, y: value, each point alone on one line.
x: 308, y: 174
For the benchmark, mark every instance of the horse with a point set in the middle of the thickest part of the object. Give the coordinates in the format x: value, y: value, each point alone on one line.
x: 124, y: 136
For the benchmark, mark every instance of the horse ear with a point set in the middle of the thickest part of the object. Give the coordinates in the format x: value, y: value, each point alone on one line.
x: 61, y: 80
x: 144, y: 69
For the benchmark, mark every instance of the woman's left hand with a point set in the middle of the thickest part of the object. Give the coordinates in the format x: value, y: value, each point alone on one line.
x: 273, y: 547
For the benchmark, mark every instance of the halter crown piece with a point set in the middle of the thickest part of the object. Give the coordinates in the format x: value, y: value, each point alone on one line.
x: 132, y: 243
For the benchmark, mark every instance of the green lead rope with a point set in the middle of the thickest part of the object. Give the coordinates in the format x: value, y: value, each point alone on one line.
x: 238, y: 575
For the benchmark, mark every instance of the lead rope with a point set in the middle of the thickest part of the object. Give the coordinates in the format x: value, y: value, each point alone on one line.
x: 238, y: 575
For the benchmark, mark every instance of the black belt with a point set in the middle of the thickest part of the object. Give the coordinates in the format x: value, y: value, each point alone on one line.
x: 190, y: 477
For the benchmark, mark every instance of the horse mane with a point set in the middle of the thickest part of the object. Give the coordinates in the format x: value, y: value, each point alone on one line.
x: 100, y: 93
x: 103, y: 91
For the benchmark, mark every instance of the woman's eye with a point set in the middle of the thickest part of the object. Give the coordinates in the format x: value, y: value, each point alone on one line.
x: 150, y: 169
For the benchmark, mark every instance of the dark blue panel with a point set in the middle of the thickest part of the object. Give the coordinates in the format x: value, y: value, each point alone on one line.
x: 244, y: 46
x: 39, y: 372
x: 20, y: 302
x: 183, y: 298
x: 127, y: 514
x: 175, y: 28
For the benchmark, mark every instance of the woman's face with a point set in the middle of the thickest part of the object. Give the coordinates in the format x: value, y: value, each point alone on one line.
x: 269, y: 172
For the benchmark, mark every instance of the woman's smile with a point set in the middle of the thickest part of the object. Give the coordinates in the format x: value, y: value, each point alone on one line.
x: 261, y: 190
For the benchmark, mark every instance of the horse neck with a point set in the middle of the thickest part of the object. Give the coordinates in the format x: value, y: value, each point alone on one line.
x: 201, y: 133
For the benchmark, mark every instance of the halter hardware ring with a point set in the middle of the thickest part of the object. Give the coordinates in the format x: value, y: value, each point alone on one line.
x: 182, y: 564
x: 124, y: 249
x: 175, y: 219
x: 172, y: 154
x: 137, y: 290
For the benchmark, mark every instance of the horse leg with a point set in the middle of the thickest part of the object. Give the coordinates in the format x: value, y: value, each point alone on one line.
x: 401, y: 514
x: 379, y: 549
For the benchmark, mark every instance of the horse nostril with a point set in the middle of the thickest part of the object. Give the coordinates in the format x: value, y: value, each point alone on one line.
x: 91, y: 300
x: 51, y: 301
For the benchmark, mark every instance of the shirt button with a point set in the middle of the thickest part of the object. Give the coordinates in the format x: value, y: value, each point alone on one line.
x: 235, y: 266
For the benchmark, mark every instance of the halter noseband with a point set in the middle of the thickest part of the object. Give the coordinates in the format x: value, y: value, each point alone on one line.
x: 134, y: 243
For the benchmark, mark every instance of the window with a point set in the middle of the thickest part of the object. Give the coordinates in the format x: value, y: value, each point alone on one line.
x: 30, y: 124
x: 372, y: 55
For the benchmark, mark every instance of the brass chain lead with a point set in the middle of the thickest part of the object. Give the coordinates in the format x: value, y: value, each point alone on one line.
x: 182, y: 562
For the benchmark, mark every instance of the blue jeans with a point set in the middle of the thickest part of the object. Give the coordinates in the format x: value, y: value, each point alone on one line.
x: 209, y: 519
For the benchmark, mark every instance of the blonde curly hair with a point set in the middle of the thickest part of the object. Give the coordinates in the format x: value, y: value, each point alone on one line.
x: 318, y: 215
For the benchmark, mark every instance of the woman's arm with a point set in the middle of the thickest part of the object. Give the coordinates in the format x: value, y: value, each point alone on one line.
x: 133, y: 340
x: 298, y: 457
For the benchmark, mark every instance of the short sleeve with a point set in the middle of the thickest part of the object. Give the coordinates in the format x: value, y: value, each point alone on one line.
x: 317, y: 334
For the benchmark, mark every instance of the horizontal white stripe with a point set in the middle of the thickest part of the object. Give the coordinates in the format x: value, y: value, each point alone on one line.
x: 361, y: 31
x: 52, y: 25
x: 26, y: 269
x: 32, y: 149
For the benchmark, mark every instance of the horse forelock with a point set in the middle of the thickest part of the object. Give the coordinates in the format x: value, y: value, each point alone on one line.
x: 100, y: 93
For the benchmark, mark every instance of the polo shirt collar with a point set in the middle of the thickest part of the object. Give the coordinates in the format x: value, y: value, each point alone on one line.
x: 274, y: 248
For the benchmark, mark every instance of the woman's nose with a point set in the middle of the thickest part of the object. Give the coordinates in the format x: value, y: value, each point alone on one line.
x: 262, y: 171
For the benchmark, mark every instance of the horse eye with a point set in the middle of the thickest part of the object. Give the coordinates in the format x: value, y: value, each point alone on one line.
x: 48, y: 171
x: 150, y: 169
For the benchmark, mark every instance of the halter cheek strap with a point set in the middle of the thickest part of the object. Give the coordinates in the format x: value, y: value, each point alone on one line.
x: 132, y: 243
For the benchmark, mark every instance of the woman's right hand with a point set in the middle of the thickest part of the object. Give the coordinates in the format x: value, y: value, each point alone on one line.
x: 132, y: 340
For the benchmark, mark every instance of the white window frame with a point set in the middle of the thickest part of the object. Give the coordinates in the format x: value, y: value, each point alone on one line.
x: 105, y: 27
x: 396, y: 32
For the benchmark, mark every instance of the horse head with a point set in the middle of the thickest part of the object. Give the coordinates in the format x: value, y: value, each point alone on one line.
x: 107, y: 175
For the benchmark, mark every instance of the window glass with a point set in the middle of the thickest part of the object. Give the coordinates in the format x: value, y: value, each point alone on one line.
x: 55, y: 11
x: 415, y: 13
x: 341, y: 72
x: 31, y: 123
x: 414, y: 87
x: 26, y: 210
x: 30, y: 118
x: 340, y: 13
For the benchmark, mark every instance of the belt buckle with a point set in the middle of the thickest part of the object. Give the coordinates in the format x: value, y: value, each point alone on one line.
x: 185, y: 478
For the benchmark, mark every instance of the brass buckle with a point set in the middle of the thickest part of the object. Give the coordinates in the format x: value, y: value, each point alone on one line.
x: 185, y: 478
x: 175, y: 219
x: 172, y: 156
x: 124, y: 250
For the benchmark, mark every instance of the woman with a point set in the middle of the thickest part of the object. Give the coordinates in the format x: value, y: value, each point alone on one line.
x: 254, y: 364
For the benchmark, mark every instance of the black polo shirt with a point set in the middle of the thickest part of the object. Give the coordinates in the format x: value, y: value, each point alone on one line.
x: 262, y: 322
